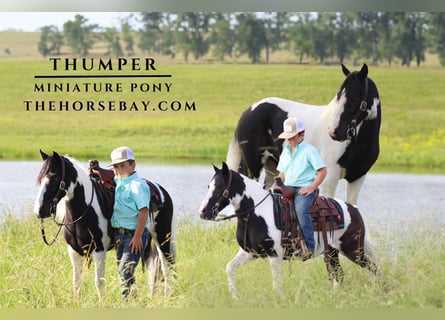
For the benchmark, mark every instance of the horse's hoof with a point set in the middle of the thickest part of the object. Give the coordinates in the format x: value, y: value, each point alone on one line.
x: 306, y: 256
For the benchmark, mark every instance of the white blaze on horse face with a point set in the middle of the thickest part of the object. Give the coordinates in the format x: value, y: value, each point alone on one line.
x: 209, y: 194
x: 39, y: 199
x: 336, y: 107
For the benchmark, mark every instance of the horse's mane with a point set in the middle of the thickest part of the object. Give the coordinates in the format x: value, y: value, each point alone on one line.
x: 46, y: 165
x: 77, y: 165
x: 43, y: 171
x: 248, y: 181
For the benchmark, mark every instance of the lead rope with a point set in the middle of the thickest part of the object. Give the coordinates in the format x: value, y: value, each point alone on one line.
x: 42, y: 230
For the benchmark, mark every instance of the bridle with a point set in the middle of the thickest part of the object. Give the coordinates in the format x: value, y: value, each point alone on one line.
x: 352, y: 128
x: 225, y: 194
x: 60, y: 189
x: 53, y: 207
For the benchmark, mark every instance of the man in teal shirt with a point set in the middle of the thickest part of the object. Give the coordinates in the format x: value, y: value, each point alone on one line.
x: 301, y: 167
x: 130, y: 216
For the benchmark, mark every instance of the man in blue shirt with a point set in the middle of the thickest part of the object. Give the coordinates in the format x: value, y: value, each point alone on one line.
x: 130, y: 216
x: 301, y: 167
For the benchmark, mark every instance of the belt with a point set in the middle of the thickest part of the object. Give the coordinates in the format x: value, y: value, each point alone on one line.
x: 123, y: 230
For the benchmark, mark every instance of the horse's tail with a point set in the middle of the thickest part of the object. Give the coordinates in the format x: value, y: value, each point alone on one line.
x: 368, y: 249
x: 160, y: 254
x: 234, y: 155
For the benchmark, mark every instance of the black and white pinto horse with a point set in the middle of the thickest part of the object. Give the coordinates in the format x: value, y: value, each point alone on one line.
x: 68, y: 194
x: 346, y: 133
x: 258, y: 236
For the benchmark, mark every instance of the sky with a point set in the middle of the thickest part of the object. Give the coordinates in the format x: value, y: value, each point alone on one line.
x: 32, y: 21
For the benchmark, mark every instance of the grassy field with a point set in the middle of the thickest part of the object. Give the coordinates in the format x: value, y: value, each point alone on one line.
x: 412, y: 133
x: 412, y: 138
x: 36, y: 276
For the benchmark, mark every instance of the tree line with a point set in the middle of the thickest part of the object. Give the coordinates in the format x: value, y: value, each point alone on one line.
x: 378, y: 37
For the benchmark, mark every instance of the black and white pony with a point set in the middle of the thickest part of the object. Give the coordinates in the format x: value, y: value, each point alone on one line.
x: 258, y: 236
x: 68, y: 194
x: 346, y: 132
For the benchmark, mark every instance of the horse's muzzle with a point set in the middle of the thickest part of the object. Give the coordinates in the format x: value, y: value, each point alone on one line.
x: 208, y: 214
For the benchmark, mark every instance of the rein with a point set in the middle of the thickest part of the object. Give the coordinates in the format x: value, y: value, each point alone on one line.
x: 42, y: 231
x: 245, y: 211
x: 352, y: 128
x: 54, y: 208
x: 225, y: 195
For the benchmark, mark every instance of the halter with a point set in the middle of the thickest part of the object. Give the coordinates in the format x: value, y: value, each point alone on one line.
x: 53, y: 208
x: 352, y: 128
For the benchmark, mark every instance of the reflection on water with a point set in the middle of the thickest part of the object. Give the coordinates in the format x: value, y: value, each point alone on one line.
x: 386, y: 199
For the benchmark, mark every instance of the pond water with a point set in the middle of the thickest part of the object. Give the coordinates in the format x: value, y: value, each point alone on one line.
x: 386, y: 199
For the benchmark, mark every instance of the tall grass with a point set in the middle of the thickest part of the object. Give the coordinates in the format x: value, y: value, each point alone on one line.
x: 37, y: 276
x: 412, y: 134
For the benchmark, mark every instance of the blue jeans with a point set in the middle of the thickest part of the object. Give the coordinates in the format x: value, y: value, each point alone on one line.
x: 126, y: 260
x: 302, y: 205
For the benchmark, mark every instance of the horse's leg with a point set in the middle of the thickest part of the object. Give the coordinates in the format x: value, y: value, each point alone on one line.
x: 357, y: 245
x: 353, y: 189
x: 276, y: 265
x: 366, y: 259
x: 329, y: 185
x: 234, y: 155
x: 270, y: 170
x: 99, y: 278
x: 333, y: 266
x: 241, y: 258
x: 153, y: 267
x: 77, y: 262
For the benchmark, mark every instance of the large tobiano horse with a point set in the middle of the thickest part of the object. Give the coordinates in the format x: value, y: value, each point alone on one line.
x: 71, y: 197
x: 259, y: 237
x: 346, y: 132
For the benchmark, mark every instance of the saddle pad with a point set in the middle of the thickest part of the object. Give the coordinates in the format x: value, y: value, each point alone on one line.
x: 103, y: 179
x: 156, y: 195
x: 279, y: 223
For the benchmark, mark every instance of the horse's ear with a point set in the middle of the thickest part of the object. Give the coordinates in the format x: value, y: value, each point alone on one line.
x: 215, y: 168
x: 225, y: 168
x: 43, y: 155
x: 345, y: 70
x: 56, y: 155
x: 363, y: 71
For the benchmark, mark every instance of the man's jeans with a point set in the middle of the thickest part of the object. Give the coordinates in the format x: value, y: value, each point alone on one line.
x: 126, y: 260
x: 302, y: 205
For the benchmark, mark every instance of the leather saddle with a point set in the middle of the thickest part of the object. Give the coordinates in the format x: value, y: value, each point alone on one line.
x: 325, y: 212
x: 104, y: 180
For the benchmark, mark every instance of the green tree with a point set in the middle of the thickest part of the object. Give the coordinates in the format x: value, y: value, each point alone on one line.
x: 151, y: 31
x: 51, y: 40
x: 275, y: 24
x: 323, y: 36
x: 300, y: 35
x: 344, y: 34
x: 111, y: 37
x: 384, y: 25
x: 367, y: 41
x: 127, y: 36
x: 410, y: 37
x: 437, y: 35
x: 79, y: 35
x: 222, y: 36
x: 250, y: 36
x: 192, y: 29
